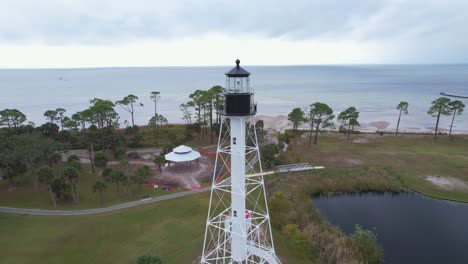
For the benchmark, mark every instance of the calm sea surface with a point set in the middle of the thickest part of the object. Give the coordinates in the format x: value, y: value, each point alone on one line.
x: 410, y: 228
x: 374, y: 90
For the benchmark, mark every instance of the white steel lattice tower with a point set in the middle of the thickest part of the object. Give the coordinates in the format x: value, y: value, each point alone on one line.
x: 238, y: 226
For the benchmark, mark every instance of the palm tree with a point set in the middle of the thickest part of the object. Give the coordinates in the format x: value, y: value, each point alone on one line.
x: 141, y: 174
x: 124, y: 170
x: 296, y: 117
x: 159, y: 161
x: 53, y: 158
x: 46, y: 175
x: 99, y: 186
x: 323, y: 114
x: 155, y: 96
x: 349, y: 118
x: 439, y: 107
x: 403, y: 107
x: 128, y: 103
x: 71, y: 175
x: 457, y: 107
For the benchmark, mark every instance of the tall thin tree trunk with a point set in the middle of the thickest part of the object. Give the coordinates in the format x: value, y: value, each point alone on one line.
x: 129, y: 188
x: 155, y: 114
x: 36, y: 183
x: 316, y: 133
x: 398, y: 124
x: 311, y: 131
x: 204, y: 121
x: 90, y: 150
x: 349, y: 130
x: 74, y: 194
x: 133, y: 121
x: 211, y: 123
x: 12, y: 185
x: 437, y: 126
x: 199, y: 123
x: 451, y: 124
x: 52, y: 195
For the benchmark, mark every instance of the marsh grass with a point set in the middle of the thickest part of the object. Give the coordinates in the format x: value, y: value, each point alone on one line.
x: 328, y: 244
x: 408, y: 157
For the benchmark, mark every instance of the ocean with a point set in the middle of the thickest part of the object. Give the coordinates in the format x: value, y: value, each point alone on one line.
x: 374, y: 90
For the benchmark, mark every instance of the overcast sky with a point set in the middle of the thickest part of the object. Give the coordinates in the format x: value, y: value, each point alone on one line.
x: 95, y: 33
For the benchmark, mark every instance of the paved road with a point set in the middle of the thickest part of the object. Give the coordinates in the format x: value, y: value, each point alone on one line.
x: 100, y: 210
x: 291, y: 167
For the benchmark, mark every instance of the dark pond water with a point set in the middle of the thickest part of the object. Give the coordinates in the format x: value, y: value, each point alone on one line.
x: 410, y: 228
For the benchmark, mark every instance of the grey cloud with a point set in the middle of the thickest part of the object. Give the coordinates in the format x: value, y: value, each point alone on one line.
x: 87, y: 21
x: 417, y: 30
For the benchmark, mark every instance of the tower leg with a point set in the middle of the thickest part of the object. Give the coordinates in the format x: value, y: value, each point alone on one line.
x: 238, y: 225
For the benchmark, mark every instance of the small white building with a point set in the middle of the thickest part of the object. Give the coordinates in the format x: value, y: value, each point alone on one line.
x: 182, y: 154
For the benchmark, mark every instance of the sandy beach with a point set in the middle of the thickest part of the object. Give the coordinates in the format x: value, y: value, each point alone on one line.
x: 280, y: 123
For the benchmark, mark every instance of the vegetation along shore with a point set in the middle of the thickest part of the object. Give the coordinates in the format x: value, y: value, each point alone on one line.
x: 85, y: 160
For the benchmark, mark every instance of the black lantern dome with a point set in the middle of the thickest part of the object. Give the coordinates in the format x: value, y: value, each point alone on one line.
x: 238, y: 94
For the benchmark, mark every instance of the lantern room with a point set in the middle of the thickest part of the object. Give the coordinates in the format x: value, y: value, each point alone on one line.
x: 238, y: 94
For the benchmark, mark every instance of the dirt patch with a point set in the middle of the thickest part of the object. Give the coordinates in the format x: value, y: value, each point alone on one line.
x: 379, y: 124
x: 146, y: 155
x: 277, y: 123
x: 186, y: 175
x: 361, y: 140
x: 448, y: 183
x: 353, y: 162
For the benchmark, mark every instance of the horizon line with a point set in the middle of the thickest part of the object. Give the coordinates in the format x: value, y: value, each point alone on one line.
x: 230, y: 65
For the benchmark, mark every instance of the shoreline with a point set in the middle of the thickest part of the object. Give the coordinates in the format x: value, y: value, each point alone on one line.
x: 280, y: 123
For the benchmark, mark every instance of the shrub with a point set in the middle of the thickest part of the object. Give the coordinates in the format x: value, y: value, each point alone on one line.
x: 133, y: 155
x: 283, y: 137
x: 73, y: 158
x: 75, y: 164
x: 100, y: 160
x: 279, y: 208
x: 187, y: 136
x: 269, y: 152
x: 149, y: 259
x: 365, y: 242
x: 119, y: 152
x: 60, y: 189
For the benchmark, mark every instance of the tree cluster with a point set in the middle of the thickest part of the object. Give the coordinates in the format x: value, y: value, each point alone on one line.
x: 203, y: 110
x: 445, y: 106
x: 320, y: 116
x: 62, y: 185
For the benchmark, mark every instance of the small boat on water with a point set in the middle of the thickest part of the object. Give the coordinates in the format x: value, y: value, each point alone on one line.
x: 453, y: 95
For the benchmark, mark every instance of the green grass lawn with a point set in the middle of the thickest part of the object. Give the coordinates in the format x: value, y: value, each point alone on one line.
x: 24, y: 196
x: 174, y: 229
x: 409, y: 157
x: 162, y: 229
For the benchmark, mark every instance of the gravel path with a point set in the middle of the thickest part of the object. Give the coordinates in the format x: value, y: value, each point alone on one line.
x: 99, y: 210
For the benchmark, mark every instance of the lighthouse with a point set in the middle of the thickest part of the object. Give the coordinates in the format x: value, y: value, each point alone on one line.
x: 238, y: 226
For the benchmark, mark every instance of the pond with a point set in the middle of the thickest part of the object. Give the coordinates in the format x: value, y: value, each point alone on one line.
x: 410, y: 228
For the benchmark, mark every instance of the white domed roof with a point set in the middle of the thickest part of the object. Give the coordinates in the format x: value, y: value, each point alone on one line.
x: 182, y: 149
x: 182, y: 153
